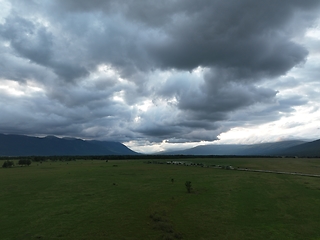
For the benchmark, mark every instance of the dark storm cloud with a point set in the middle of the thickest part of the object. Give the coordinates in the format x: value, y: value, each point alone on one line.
x: 200, y: 65
x: 35, y: 43
x: 184, y: 132
x: 89, y: 117
x: 214, y: 98
x: 14, y: 68
x: 249, y: 35
x: 252, y: 38
x: 32, y: 42
x: 225, y: 95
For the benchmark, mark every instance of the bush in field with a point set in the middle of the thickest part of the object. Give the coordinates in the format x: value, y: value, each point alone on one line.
x: 24, y: 162
x: 188, y: 186
x: 7, y: 164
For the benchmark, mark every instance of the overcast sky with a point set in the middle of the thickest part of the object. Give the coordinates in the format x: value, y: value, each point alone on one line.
x: 158, y: 75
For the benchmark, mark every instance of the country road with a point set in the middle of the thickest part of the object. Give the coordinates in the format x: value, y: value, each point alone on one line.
x: 278, y: 172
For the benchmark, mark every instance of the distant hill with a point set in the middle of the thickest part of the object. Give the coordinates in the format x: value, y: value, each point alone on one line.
x: 309, y: 149
x: 263, y: 149
x: 19, y: 145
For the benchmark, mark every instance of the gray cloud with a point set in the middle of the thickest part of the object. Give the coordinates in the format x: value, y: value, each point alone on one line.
x: 179, y: 71
x: 30, y: 41
x: 35, y: 43
x: 253, y: 39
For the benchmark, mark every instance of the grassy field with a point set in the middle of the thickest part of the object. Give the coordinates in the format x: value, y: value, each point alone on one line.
x: 134, y: 200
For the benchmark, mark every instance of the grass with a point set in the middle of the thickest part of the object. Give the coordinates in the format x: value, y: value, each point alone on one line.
x: 133, y: 200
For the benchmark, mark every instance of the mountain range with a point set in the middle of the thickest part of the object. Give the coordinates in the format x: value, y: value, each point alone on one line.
x: 20, y: 145
x: 284, y: 148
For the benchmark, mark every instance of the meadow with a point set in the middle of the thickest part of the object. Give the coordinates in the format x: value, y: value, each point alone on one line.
x: 130, y: 199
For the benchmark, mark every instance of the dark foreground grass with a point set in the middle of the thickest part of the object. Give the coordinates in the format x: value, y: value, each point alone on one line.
x: 134, y: 200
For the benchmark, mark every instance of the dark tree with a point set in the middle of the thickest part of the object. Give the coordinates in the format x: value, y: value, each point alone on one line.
x: 7, y: 164
x: 24, y: 162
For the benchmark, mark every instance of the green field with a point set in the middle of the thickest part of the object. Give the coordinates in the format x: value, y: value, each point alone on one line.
x: 134, y: 200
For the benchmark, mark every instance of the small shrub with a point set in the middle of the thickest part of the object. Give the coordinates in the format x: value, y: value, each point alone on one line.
x: 158, y: 217
x: 188, y: 186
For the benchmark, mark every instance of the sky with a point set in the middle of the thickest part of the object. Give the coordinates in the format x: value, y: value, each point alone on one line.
x: 161, y: 75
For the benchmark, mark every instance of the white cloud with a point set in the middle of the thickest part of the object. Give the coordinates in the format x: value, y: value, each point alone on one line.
x: 4, y: 10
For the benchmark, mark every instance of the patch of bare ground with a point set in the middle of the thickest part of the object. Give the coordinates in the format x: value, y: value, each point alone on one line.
x: 164, y: 225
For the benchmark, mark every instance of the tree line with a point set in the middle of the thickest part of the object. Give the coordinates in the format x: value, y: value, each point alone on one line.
x: 121, y: 157
x: 21, y: 162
